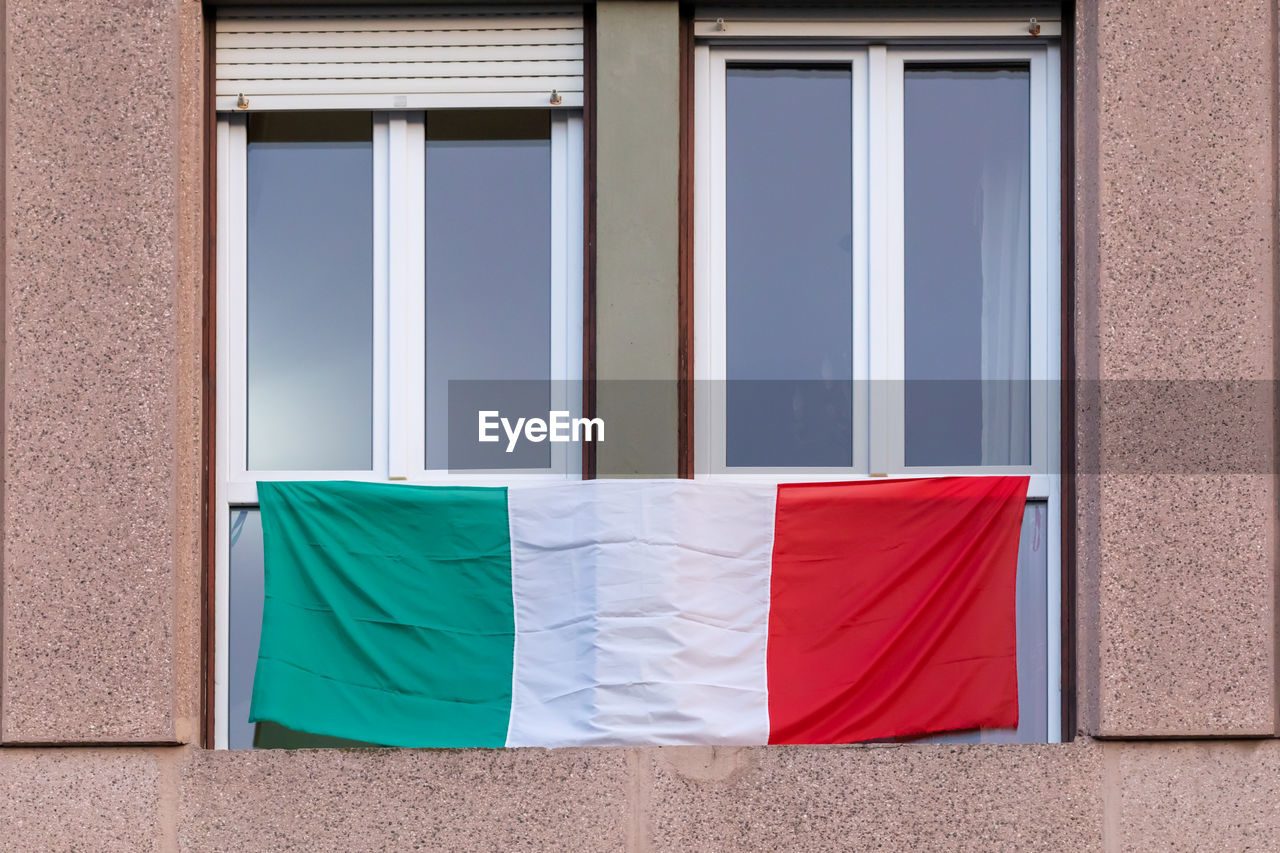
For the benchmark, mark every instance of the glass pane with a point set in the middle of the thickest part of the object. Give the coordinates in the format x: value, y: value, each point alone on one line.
x: 1033, y: 631
x: 488, y: 271
x: 310, y: 291
x: 1033, y: 640
x: 789, y: 267
x: 968, y: 268
x: 245, y: 628
x: 245, y: 618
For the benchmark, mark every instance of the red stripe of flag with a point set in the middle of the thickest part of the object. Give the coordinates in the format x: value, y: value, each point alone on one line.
x: 892, y: 608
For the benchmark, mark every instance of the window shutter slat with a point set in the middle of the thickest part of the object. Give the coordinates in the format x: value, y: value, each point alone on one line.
x: 417, y: 59
x: 398, y: 38
x: 229, y: 58
x: 401, y: 70
x: 283, y: 21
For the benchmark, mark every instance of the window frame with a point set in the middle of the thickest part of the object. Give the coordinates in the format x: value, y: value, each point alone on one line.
x: 878, y: 314
x: 399, y: 333
x: 877, y: 66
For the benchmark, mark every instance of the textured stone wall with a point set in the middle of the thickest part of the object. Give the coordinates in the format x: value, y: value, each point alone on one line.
x: 100, y: 501
x: 1088, y: 795
x: 99, y: 513
x: 1176, y: 332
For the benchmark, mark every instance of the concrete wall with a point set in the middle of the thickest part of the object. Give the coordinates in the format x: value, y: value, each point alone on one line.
x: 101, y: 403
x: 1175, y: 258
x: 1175, y: 308
x: 1089, y: 795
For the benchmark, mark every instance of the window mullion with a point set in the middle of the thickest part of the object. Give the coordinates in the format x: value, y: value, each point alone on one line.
x: 861, y: 266
x: 397, y: 295
x: 559, y: 212
x: 412, y: 351
x: 404, y: 315
x: 381, y: 463
x: 885, y: 314
x: 566, y: 279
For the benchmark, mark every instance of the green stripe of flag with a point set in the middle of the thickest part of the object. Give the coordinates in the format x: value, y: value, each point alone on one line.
x: 401, y: 597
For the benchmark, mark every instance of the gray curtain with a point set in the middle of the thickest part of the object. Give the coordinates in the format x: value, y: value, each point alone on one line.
x: 1006, y: 309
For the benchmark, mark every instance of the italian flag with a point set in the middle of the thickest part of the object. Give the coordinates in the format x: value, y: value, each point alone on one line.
x: 639, y: 612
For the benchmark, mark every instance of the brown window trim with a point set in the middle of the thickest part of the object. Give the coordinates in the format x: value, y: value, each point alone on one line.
x: 208, y: 430
x: 589, y: 231
x: 684, y: 374
x: 1067, y: 410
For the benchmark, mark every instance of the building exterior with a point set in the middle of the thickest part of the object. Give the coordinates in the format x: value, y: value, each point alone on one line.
x: 1165, y: 331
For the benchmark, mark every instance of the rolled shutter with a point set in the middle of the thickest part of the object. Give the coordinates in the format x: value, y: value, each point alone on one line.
x: 401, y: 59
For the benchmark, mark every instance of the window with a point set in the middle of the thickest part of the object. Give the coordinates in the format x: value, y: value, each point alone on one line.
x: 392, y: 248
x: 373, y: 258
x: 876, y: 273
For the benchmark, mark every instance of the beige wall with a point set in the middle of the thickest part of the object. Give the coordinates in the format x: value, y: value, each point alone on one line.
x: 99, y: 527
x: 1176, y: 281
x: 101, y: 428
x: 1088, y: 795
x: 637, y: 235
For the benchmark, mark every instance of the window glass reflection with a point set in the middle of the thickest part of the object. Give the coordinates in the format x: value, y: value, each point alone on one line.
x: 488, y: 273
x: 310, y: 291
x: 789, y: 267
x: 968, y: 267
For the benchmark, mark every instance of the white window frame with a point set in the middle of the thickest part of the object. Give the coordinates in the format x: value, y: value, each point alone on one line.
x: 399, y: 332
x: 878, y: 316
